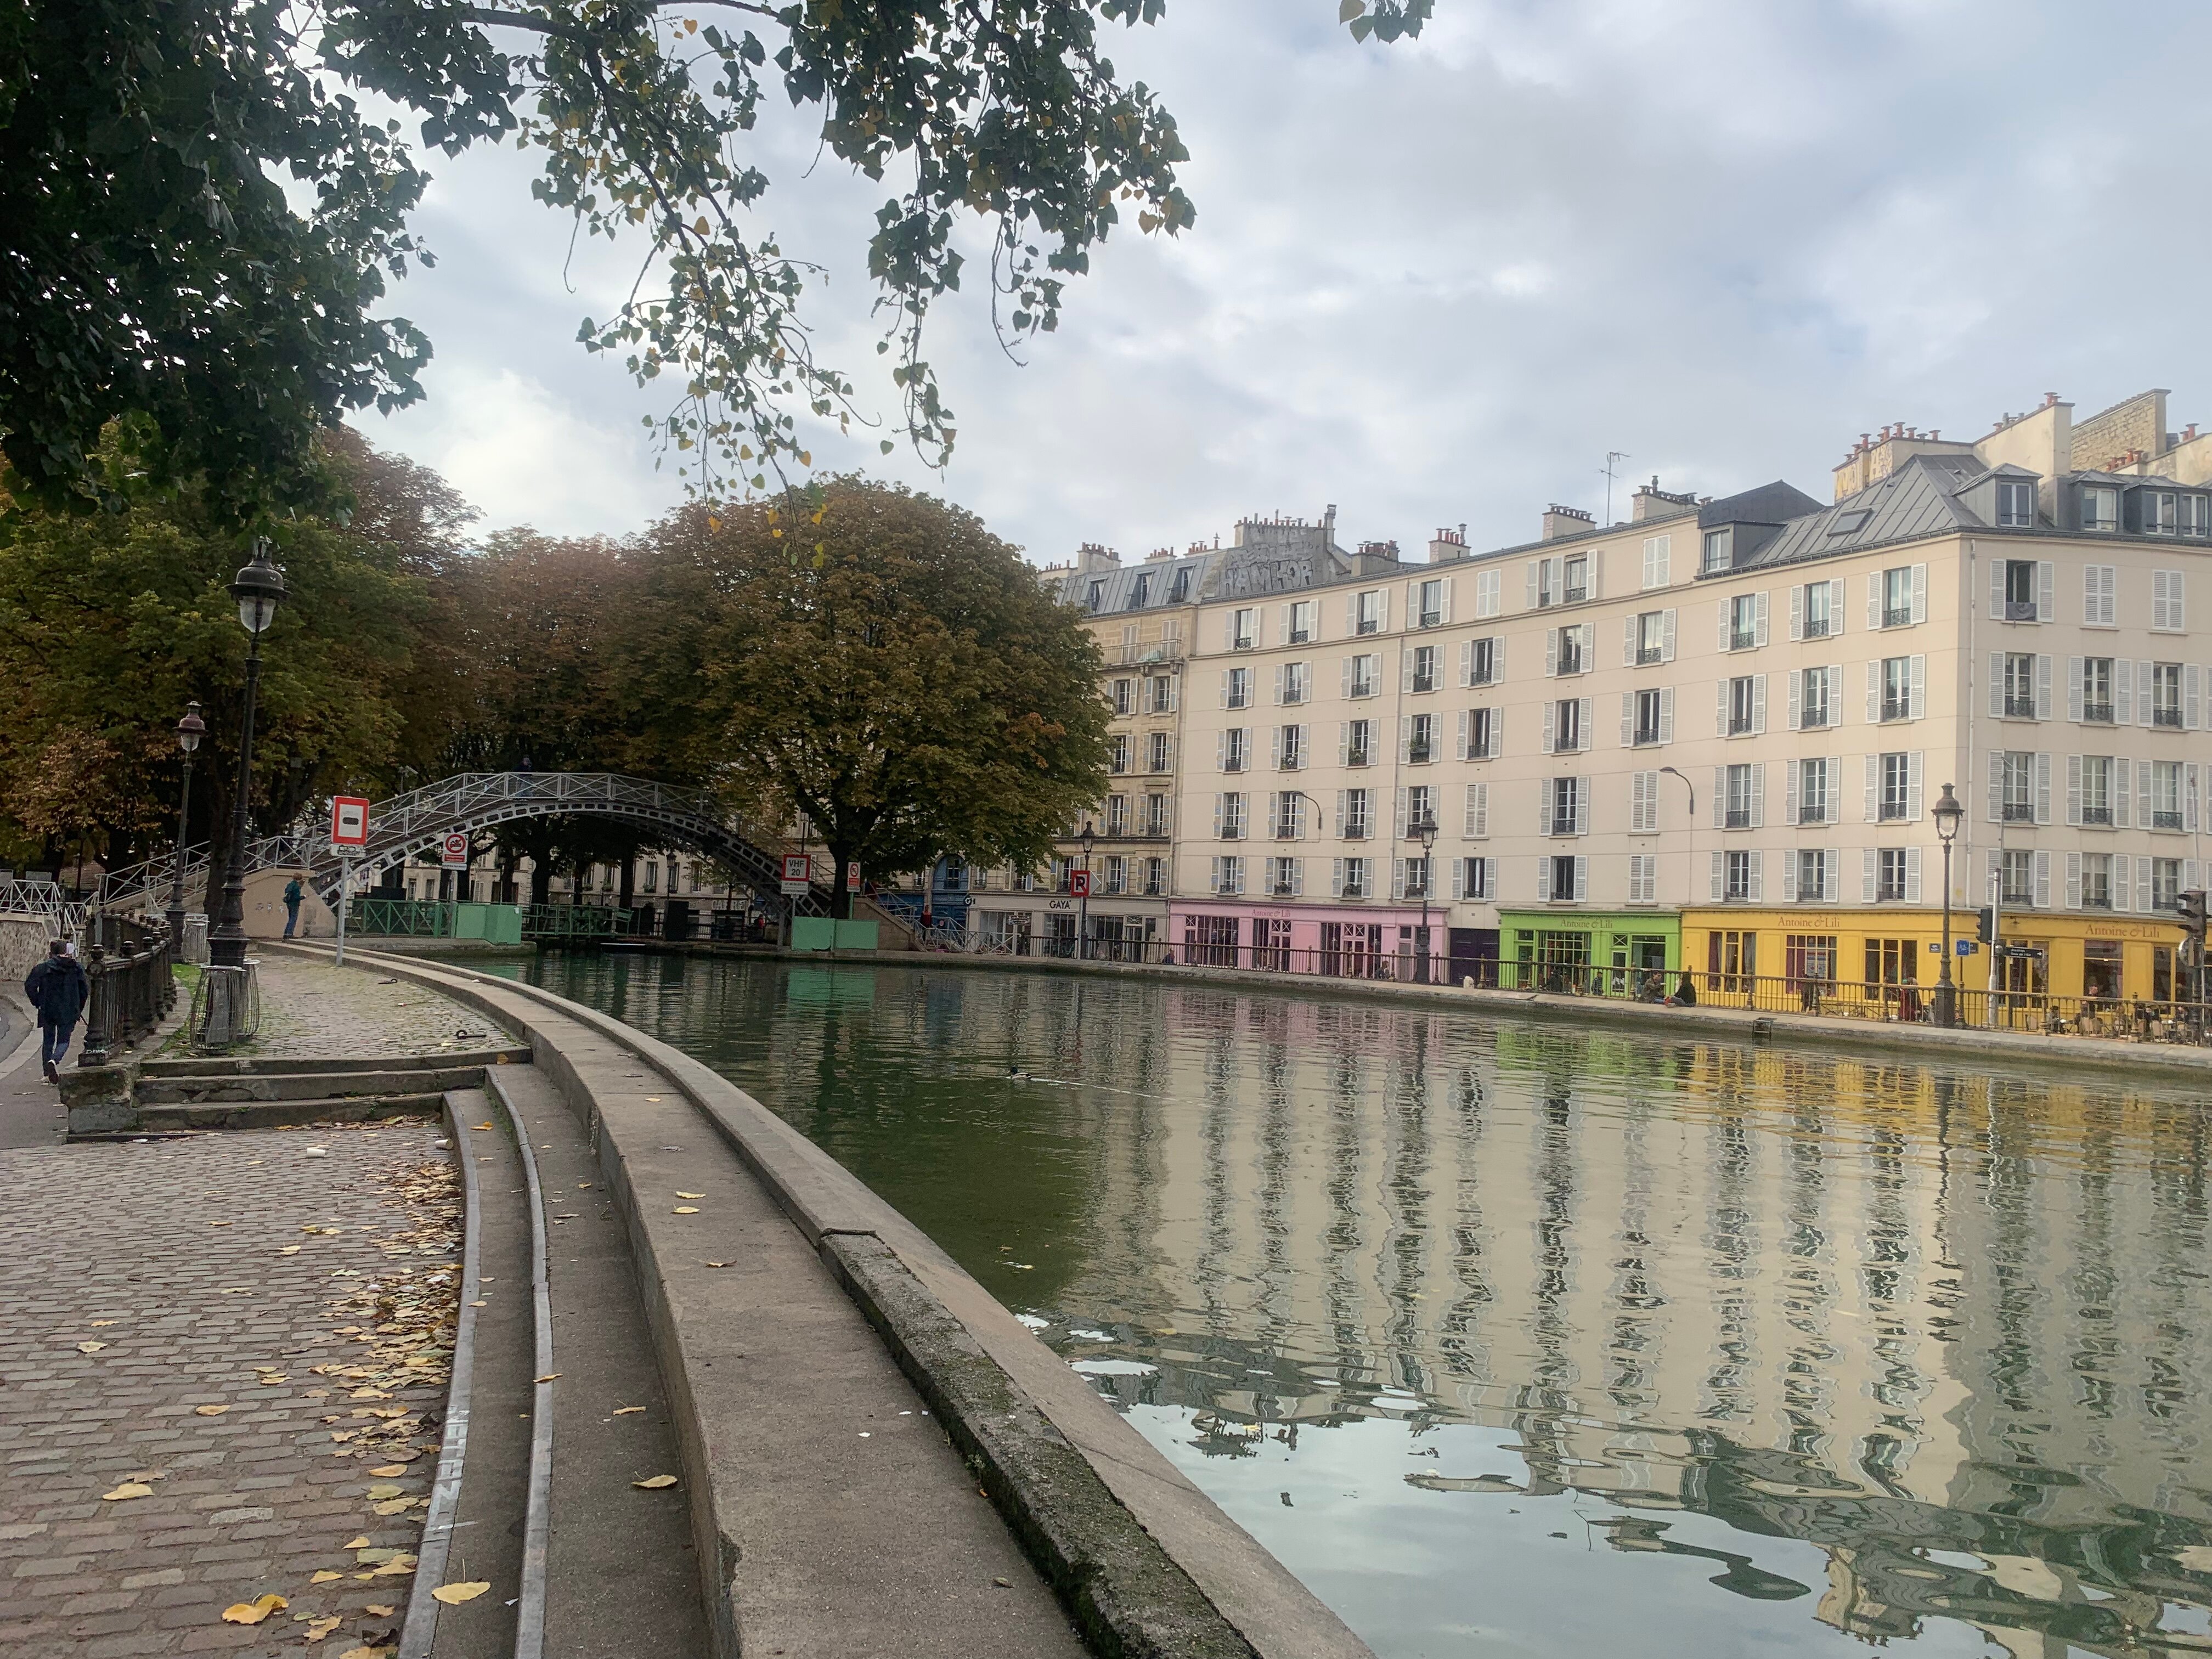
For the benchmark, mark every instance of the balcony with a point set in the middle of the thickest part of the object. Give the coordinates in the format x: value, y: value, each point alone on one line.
x: 1289, y: 831
x: 1646, y: 737
x: 1736, y: 818
x: 1739, y: 725
x: 1570, y: 662
x: 1167, y: 650
x: 1418, y: 753
x: 1355, y: 890
x: 1740, y: 640
x: 1574, y: 596
x: 2016, y: 898
x: 1560, y: 824
x: 2168, y: 718
x: 1816, y: 628
x: 1429, y: 619
x: 1896, y: 709
x: 2164, y: 818
x: 1356, y: 756
x: 1283, y: 890
x: 1811, y: 812
x: 1360, y: 688
x: 2096, y: 898
x: 2020, y: 611
x: 2018, y: 708
x: 2100, y: 815
x: 1893, y: 811
x: 2099, y: 713
x: 1356, y: 830
x: 2019, y: 811
x: 1483, y: 675
x: 1897, y: 616
x: 1811, y: 719
x: 1648, y: 654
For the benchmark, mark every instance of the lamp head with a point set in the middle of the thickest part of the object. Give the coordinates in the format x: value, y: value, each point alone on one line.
x: 258, y: 589
x: 1948, y: 813
x: 1088, y: 835
x: 191, y: 729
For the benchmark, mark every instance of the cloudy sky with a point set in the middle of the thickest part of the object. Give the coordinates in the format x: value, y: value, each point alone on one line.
x: 1435, y: 282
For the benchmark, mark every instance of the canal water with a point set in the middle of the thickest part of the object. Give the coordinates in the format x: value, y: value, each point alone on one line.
x: 1516, y: 1337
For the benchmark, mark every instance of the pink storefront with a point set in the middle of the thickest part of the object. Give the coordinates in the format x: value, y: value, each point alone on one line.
x: 1357, y: 942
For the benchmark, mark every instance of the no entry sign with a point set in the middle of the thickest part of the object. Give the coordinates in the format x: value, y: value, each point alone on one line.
x: 453, y: 852
x: 349, y: 821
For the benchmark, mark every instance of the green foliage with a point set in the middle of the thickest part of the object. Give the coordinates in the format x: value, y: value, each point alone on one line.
x: 879, y: 661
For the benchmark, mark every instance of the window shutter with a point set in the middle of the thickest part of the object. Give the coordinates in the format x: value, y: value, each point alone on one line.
x: 1275, y: 744
x: 1997, y: 786
x: 1788, y: 880
x: 1720, y: 797
x: 1873, y: 788
x: 1869, y: 865
x: 1497, y: 658
x: 1759, y: 621
x: 1339, y: 815
x: 1789, y: 771
x: 1759, y: 702
x: 1459, y: 878
x: 1217, y: 817
x: 1996, y: 685
x: 1477, y: 811
x: 1405, y: 738
x: 1874, y: 691
x: 2123, y: 789
x: 1720, y: 877
x: 1278, y: 681
x: 1996, y: 590
x: 1582, y: 878
x: 2046, y: 591
x: 2073, y: 789
x: 2192, y: 697
x: 1543, y: 879
x: 1298, y: 877
x: 1916, y: 697
x: 1586, y: 721
x: 2142, y: 885
x: 1667, y: 713
x: 1628, y: 641
x: 2042, y: 881
x: 2043, y: 688
x: 1405, y: 668
x: 1836, y: 606
x: 1627, y: 720
x: 1912, y: 875
x: 1725, y: 631
x: 1874, y: 600
x: 1551, y: 652
x: 1382, y: 611
x: 1401, y: 814
x: 1466, y: 662
x: 1759, y: 794
x: 1351, y: 616
x: 1797, y: 613
x: 2073, y: 881
x: 1444, y: 610
x: 2123, y: 680
x: 2143, y: 793
x: 2074, y: 670
x: 1757, y: 894
x: 1465, y: 721
x: 1720, y: 709
x: 1832, y: 776
x: 1796, y: 699
x: 1551, y: 725
x: 2043, y: 788
x: 1582, y: 807
x: 1912, y: 787
x: 2189, y: 802
x: 1920, y: 593
x: 1665, y: 636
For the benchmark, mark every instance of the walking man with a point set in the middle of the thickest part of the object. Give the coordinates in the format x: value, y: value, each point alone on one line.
x: 292, y: 894
x: 59, y: 988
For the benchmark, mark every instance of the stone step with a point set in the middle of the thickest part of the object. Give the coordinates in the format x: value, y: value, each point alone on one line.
x: 251, y: 1065
x: 303, y: 1085
x: 272, y: 1114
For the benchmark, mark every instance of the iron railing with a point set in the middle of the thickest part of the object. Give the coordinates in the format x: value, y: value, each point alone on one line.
x: 129, y: 962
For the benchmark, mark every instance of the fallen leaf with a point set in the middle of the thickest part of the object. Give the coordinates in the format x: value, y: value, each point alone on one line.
x: 235, y: 1289
x: 128, y: 1489
x: 452, y: 1594
x: 273, y: 1379
x: 655, y: 1483
x: 357, y: 1544
x: 90, y: 1347
x: 687, y: 1209
x: 395, y: 1506
x: 97, y: 1323
x: 381, y: 1612
x: 389, y: 1471
x: 479, y: 1304
x: 481, y: 1127
x: 319, y: 1628
x: 218, y: 1224
x: 253, y: 1611
x: 382, y: 1490
x: 365, y: 1653
x: 718, y: 1264
x: 394, y: 1567
x: 624, y: 1411
x: 209, y: 1411
x: 325, y: 1577
x: 548, y: 1377
x: 690, y: 1194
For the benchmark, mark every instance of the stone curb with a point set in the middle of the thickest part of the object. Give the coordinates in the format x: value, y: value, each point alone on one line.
x: 1151, y: 1567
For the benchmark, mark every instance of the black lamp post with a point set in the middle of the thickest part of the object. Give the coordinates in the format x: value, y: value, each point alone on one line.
x: 258, y: 590
x: 1082, y: 918
x: 1425, y: 831
x: 189, y: 731
x: 1948, y: 812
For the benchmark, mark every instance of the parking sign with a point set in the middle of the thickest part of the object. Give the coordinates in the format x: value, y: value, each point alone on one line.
x: 1079, y: 884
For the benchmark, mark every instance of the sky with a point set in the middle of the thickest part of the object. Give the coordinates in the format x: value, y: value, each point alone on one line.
x: 1436, y: 283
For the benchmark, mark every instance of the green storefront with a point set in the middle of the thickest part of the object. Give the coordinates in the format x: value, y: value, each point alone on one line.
x: 1578, y: 952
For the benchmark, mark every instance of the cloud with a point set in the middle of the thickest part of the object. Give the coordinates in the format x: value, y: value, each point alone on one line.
x: 1438, y: 282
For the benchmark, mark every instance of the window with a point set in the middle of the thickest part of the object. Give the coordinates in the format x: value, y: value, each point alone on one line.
x: 1156, y: 877
x: 1656, y: 561
x: 1817, y: 607
x: 1420, y: 808
x: 1236, y: 688
x: 2165, y: 883
x: 1815, y: 792
x: 1737, y: 797
x: 2016, y: 878
x: 1815, y: 705
x: 1812, y: 876
x: 1140, y: 592
x: 1484, y: 727
x: 1809, y: 959
x: 1158, y: 751
x: 1359, y: 743
x: 2096, y: 790
x: 1719, y: 552
x: 1543, y: 584
x: 1243, y: 629
x: 1564, y: 805
x: 1563, y: 880
x: 1124, y: 696
x: 1094, y: 596
x: 1475, y: 879
x: 2097, y: 682
x: 2096, y: 884
x: 1483, y: 661
x: 2166, y: 611
x: 1575, y: 583
x: 1155, y: 815
x: 1416, y: 883
x: 1235, y: 748
x: 1489, y: 592
x: 2101, y: 507
x: 1567, y: 651
x: 1646, y: 728
x: 1422, y: 670
x: 1162, y: 698
x: 1114, y: 870
x: 2157, y: 507
x: 1117, y: 815
x: 2016, y: 504
x: 1743, y: 701
x: 1117, y: 752
x: 1429, y: 604
x: 1568, y: 735
x: 1643, y: 877
x: 2019, y: 685
x: 1227, y: 875
x: 1743, y: 633
x: 1360, y: 675
x: 1353, y: 883
x: 1285, y: 878
x: 1420, y: 739
x: 1290, y: 816
x: 1643, y: 803
x: 1300, y: 626
x: 1897, y: 688
x: 2166, y: 795
x: 1229, y: 815
x: 1367, y: 612
x: 1297, y: 682
x: 2196, y: 518
x: 1736, y: 878
x: 2016, y: 786
x: 2018, y: 577
x: 1897, y: 587
x: 1475, y: 822
x: 1353, y: 810
x: 1892, y: 870
x: 1897, y: 803
x: 2099, y: 596
x: 1731, y: 960
x: 2162, y: 694
x: 1291, y: 747
x: 1651, y: 637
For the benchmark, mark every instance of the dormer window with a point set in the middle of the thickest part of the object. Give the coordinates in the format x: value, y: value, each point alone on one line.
x: 1097, y: 596
x: 1720, y: 550
x: 2171, y: 512
x: 1179, y: 589
x: 2101, y: 507
x: 2016, y: 504
x: 1140, y: 592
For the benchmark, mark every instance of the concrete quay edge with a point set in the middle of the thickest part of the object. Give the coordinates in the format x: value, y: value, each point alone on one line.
x: 1150, y: 1566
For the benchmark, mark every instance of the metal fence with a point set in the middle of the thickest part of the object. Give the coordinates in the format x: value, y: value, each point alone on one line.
x: 404, y: 918
x: 128, y: 961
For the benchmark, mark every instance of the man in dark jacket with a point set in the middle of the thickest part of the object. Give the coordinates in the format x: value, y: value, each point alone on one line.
x: 59, y: 988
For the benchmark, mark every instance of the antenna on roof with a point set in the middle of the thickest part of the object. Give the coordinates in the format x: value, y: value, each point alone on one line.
x: 1613, y: 457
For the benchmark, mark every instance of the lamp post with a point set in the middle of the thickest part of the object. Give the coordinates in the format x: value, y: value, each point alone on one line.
x: 1948, y: 814
x: 258, y: 590
x: 1083, y: 918
x: 1690, y: 885
x: 1425, y: 831
x: 189, y: 731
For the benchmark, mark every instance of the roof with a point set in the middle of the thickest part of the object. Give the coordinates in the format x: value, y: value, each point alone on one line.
x: 1118, y: 584
x: 1919, y: 499
x: 1770, y: 503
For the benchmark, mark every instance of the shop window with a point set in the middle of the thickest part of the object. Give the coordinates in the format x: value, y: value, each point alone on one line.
x: 1731, y: 961
x: 2100, y: 970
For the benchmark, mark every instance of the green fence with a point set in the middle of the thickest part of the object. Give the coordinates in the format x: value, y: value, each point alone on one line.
x: 555, y: 922
x: 494, y: 924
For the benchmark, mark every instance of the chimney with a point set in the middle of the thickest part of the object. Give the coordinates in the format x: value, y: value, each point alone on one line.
x: 1567, y: 521
x: 1447, y: 543
x: 1650, y: 501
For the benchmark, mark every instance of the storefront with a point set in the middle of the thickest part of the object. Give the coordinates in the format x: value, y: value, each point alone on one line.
x: 1579, y: 952
x: 1332, y: 940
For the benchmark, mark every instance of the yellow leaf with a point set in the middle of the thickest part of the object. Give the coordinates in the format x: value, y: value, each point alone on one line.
x: 290, y: 1249
x: 97, y: 1323
x: 365, y: 1653
x: 548, y: 1377
x: 624, y: 1411
x: 655, y: 1483
x: 360, y: 1543
x: 481, y: 1127
x: 253, y: 1611
x: 690, y: 26
x: 389, y: 1471
x: 452, y: 1594
x: 327, y: 1577
x: 687, y: 1209
x: 128, y: 1489
x: 701, y: 226
x: 380, y: 1491
x: 718, y: 1264
x: 209, y: 1411
x: 392, y: 1568
x: 394, y: 1506
x: 381, y: 1612
x: 319, y: 1628
x: 90, y: 1347
x: 690, y: 1194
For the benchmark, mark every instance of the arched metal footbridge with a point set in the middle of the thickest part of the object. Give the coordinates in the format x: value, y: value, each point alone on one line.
x: 418, y: 821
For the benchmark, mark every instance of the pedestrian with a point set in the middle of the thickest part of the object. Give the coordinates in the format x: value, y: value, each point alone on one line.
x: 59, y: 988
x: 292, y: 894
x: 1685, y: 993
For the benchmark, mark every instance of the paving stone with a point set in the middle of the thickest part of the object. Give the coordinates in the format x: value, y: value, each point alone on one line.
x: 311, y: 1009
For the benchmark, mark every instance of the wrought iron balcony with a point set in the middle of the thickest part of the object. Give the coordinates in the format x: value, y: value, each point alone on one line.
x: 1736, y: 818
x: 2020, y: 708
x: 1899, y: 616
x: 1648, y: 654
x: 2168, y: 718
x: 2164, y: 818
x: 2097, y: 815
x: 2019, y: 811
x: 2020, y: 611
x: 1742, y: 641
x: 2100, y: 712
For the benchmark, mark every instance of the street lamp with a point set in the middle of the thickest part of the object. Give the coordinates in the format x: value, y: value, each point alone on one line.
x: 1423, y: 829
x: 1948, y: 814
x: 189, y: 731
x: 1082, y: 918
x: 258, y: 590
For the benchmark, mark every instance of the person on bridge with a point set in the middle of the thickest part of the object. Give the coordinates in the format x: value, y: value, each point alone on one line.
x: 293, y: 892
x: 59, y: 988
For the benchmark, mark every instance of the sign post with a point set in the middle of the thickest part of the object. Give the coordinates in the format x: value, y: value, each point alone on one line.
x: 453, y: 854
x: 349, y: 835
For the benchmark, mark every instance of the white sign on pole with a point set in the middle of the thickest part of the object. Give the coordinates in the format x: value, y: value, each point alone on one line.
x: 349, y: 821
x: 798, y: 873
x: 453, y: 852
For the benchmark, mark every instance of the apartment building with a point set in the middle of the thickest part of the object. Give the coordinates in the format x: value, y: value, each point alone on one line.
x: 1711, y: 736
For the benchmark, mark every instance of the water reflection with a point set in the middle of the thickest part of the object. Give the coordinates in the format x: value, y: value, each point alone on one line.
x: 1515, y: 1338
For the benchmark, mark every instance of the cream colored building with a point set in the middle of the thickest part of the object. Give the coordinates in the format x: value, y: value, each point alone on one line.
x: 1713, y: 736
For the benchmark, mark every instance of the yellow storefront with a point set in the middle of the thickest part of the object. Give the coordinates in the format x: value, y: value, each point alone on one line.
x: 1844, y: 960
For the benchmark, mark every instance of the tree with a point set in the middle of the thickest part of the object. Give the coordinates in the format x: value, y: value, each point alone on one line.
x: 882, y: 663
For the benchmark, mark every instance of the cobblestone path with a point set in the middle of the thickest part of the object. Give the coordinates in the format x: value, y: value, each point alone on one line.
x: 313, y: 1010
x: 221, y: 1364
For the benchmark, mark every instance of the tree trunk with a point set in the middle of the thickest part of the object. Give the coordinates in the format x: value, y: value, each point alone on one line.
x: 840, y: 898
